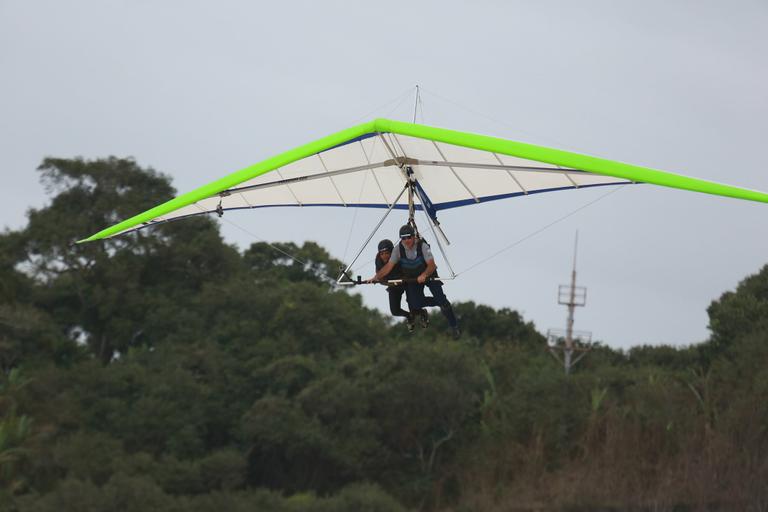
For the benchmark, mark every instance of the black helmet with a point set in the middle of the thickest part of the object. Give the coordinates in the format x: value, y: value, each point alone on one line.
x: 386, y: 245
x: 407, y: 231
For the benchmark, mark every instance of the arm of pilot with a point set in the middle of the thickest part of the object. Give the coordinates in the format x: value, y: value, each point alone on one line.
x: 431, y: 266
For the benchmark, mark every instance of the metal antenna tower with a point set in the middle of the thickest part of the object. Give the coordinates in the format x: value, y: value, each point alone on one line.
x: 570, y: 342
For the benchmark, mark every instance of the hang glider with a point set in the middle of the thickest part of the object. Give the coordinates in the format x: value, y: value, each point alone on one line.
x: 371, y: 165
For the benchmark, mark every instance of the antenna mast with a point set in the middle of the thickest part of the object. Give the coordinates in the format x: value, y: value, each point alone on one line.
x: 569, y: 341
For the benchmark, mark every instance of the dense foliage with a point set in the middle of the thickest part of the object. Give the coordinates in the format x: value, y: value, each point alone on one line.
x: 170, y: 371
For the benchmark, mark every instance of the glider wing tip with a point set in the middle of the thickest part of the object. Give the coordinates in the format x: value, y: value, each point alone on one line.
x: 91, y: 238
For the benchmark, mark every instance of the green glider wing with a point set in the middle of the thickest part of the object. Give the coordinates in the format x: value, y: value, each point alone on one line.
x: 365, y: 166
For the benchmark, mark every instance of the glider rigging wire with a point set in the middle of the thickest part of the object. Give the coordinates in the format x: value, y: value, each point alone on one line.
x: 400, y: 98
x: 281, y: 251
x: 367, y: 165
x: 540, y: 230
x: 346, y: 271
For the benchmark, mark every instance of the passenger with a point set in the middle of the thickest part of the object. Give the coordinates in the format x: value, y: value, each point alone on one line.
x: 395, y: 291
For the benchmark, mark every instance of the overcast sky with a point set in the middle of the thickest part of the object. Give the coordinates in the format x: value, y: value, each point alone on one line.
x: 200, y: 89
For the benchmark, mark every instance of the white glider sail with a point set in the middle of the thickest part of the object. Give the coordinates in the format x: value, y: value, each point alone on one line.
x: 370, y: 164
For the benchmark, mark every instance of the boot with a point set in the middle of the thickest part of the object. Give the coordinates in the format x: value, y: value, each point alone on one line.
x: 424, y: 318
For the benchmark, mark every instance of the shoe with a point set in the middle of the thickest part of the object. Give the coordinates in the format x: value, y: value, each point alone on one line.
x: 410, y: 322
x: 424, y: 318
x: 456, y: 333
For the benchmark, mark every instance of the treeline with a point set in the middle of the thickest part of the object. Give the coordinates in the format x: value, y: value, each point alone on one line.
x: 167, y: 370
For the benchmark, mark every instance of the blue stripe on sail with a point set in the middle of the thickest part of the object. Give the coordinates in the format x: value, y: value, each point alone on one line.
x: 485, y: 199
x: 431, y: 210
x: 350, y: 141
x: 439, y: 206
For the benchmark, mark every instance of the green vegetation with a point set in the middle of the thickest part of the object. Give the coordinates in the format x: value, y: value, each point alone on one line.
x: 168, y: 371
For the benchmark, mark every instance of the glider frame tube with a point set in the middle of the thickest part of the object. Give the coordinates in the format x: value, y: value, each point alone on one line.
x: 367, y: 241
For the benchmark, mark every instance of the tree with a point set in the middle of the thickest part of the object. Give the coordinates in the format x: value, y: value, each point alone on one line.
x: 288, y: 449
x: 425, y: 399
x: 310, y: 262
x: 104, y: 292
x: 737, y: 314
x: 15, y: 431
x: 503, y: 325
x: 29, y: 335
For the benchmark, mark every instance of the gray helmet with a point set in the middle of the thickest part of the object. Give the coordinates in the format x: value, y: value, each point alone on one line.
x: 407, y: 231
x: 386, y: 245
